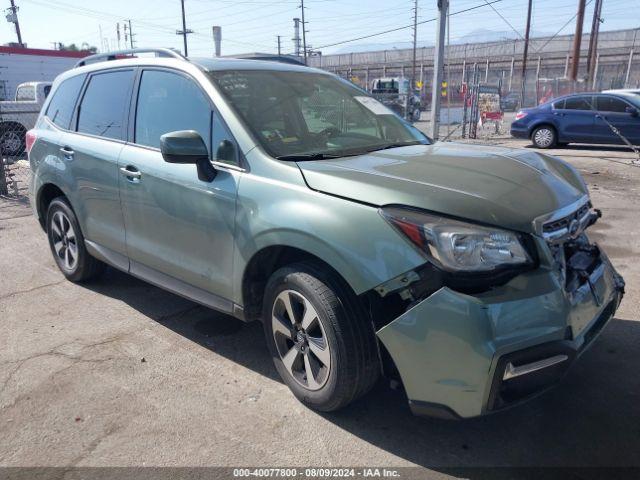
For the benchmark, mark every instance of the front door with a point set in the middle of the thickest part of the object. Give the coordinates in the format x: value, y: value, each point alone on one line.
x: 179, y: 228
x: 618, y: 113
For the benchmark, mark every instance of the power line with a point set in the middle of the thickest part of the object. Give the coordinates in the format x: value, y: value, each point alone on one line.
x: 560, y: 30
x: 504, y: 19
x: 405, y: 26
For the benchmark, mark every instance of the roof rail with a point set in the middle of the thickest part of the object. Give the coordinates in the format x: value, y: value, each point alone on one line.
x: 117, y: 54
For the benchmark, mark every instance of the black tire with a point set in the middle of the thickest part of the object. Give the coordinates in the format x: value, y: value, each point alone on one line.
x: 84, y: 267
x: 544, y: 136
x: 12, y: 140
x: 355, y: 365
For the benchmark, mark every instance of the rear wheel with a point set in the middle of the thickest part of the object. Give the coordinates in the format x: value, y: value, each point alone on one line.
x: 320, y: 342
x: 67, y: 243
x: 544, y: 137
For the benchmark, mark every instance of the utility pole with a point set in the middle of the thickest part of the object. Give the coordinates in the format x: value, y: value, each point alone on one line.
x: 279, y: 49
x: 217, y: 40
x: 130, y: 34
x: 184, y: 32
x: 304, y: 33
x: 415, y: 44
x: 525, y: 53
x: 13, y: 18
x: 577, y: 39
x: 296, y: 36
x: 443, y: 11
x: 593, y: 38
x: 118, y: 34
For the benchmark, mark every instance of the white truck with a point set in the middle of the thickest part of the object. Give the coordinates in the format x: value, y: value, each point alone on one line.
x: 20, y: 115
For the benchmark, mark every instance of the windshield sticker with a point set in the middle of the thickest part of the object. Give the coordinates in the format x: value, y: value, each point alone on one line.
x: 374, y: 105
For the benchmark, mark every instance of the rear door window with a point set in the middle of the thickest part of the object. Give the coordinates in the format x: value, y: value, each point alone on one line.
x: 105, y: 103
x: 578, y: 103
x: 60, y: 109
x: 611, y: 104
x: 168, y: 102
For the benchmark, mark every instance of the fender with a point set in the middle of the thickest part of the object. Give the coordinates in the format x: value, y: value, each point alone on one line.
x: 351, y: 237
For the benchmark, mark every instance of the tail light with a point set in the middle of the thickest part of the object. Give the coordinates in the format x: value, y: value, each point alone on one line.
x: 30, y: 139
x: 520, y: 115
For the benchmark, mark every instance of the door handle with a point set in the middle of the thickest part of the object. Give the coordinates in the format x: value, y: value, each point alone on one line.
x: 132, y: 173
x: 67, y: 151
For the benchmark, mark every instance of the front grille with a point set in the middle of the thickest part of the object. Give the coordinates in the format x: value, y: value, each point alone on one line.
x: 570, y: 226
x: 565, y: 221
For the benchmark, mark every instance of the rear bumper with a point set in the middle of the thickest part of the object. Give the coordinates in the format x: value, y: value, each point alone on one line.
x: 519, y: 131
x: 452, y: 350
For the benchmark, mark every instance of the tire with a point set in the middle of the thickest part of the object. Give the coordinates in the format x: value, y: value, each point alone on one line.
x: 12, y: 140
x: 67, y: 243
x: 544, y: 136
x: 329, y: 340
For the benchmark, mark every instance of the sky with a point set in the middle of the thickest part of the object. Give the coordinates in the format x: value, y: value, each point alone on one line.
x: 253, y: 25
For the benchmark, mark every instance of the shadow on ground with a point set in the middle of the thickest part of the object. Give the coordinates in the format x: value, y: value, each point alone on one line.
x: 591, y: 419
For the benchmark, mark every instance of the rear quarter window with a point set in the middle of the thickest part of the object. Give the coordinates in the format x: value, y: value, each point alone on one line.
x: 60, y: 109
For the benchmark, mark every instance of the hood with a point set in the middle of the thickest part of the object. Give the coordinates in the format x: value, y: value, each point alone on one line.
x: 498, y: 186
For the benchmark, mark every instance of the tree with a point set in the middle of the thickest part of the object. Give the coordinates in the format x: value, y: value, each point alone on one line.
x: 72, y: 47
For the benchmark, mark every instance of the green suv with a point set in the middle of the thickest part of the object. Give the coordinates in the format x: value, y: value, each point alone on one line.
x: 285, y: 194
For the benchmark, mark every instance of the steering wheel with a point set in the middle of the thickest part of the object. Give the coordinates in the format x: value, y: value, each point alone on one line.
x: 330, y: 132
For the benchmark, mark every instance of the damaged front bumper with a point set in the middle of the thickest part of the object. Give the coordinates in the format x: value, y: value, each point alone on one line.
x: 462, y: 355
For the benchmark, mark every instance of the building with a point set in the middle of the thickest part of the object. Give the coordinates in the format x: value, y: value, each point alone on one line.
x: 19, y: 65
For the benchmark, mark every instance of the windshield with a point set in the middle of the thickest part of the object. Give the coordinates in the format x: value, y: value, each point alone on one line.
x: 307, y: 114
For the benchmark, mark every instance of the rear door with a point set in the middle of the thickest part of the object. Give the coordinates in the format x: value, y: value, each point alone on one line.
x: 56, y: 119
x: 575, y: 119
x: 92, y: 148
x: 617, y: 112
x: 178, y: 227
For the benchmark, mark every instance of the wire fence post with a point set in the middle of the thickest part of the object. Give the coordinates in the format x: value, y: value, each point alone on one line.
x: 4, y: 190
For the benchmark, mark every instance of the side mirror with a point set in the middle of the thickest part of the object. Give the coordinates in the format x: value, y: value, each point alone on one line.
x: 187, y: 147
x: 632, y: 111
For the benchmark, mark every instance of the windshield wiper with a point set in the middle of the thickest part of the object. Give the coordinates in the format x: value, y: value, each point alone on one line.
x: 308, y: 156
x: 394, y: 145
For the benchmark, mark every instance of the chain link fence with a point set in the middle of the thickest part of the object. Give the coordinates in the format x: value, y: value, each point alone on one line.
x: 14, y: 165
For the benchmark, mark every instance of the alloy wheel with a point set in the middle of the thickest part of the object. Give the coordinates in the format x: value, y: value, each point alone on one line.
x: 543, y: 137
x: 300, y: 339
x: 64, y: 240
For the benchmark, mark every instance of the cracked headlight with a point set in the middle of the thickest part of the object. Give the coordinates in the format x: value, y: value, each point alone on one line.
x: 458, y: 246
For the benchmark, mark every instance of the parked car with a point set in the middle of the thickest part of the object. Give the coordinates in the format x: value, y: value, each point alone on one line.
x: 18, y: 116
x: 635, y: 91
x: 396, y: 94
x: 510, y: 102
x: 463, y: 272
x: 581, y: 118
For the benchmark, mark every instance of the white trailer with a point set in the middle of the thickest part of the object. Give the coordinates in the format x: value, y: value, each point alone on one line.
x: 21, y: 65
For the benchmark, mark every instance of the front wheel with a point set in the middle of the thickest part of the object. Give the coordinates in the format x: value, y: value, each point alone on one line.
x: 544, y: 137
x: 67, y: 243
x: 320, y: 343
